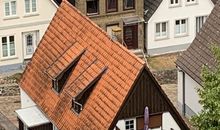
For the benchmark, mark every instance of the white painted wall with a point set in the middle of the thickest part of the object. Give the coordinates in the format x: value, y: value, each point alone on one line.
x: 191, y: 95
x: 168, y: 122
x: 170, y: 14
x: 180, y: 90
x: 26, y: 101
x: 24, y: 23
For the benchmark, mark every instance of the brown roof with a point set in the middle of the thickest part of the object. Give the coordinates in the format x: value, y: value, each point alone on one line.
x: 199, y: 52
x: 69, y: 35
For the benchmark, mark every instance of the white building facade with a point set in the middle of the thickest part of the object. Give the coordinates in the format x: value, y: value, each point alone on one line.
x: 22, y: 24
x: 174, y: 25
x: 187, y: 95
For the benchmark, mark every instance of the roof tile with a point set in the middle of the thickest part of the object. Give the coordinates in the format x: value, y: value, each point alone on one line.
x: 68, y: 34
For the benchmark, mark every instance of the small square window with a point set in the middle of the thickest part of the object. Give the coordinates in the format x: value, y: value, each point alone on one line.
x: 181, y: 27
x: 129, y: 124
x: 129, y: 4
x: 174, y: 3
x: 111, y: 5
x: 161, y: 30
x: 10, y: 8
x: 92, y: 7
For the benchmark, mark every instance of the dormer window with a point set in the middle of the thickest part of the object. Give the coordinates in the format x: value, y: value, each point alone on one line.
x: 77, y: 107
x: 174, y: 3
x: 80, y: 99
x: 60, y: 79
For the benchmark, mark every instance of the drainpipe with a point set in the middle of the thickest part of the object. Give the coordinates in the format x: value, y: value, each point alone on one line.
x: 184, y: 92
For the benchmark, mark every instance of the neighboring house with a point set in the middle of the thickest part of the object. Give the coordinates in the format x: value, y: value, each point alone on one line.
x: 79, y: 78
x: 22, y: 24
x: 122, y: 19
x: 171, y: 25
x: 191, y: 61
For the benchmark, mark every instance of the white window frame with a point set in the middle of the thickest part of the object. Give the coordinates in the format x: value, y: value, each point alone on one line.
x: 9, y: 56
x: 30, y: 7
x: 160, y: 37
x: 174, y: 4
x: 10, y: 8
x: 134, y: 120
x: 191, y: 2
x: 181, y: 25
x: 196, y: 25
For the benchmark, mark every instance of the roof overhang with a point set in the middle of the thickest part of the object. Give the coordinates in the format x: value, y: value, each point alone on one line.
x: 132, y: 20
x: 32, y: 116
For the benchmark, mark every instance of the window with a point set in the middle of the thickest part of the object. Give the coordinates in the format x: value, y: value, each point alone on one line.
x: 112, y: 5
x: 181, y: 27
x: 129, y: 4
x: 10, y: 8
x: 8, y: 46
x: 92, y: 7
x: 199, y: 22
x: 30, y: 6
x: 129, y: 125
x: 190, y: 2
x: 161, y: 30
x: 174, y: 2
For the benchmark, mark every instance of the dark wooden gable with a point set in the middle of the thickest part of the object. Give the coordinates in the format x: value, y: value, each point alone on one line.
x: 147, y: 92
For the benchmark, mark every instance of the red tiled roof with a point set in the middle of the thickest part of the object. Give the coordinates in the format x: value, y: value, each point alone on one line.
x: 67, y: 36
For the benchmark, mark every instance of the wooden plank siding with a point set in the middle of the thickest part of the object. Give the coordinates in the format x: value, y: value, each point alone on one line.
x: 147, y: 92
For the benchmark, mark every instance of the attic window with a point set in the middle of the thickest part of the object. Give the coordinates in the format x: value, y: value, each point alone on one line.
x: 81, y: 98
x: 59, y: 81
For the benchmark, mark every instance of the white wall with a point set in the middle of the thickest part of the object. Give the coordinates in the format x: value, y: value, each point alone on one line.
x: 191, y: 95
x: 170, y: 14
x: 168, y: 122
x: 26, y: 101
x: 39, y: 21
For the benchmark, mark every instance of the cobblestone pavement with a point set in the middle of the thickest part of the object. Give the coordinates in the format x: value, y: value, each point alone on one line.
x: 8, y: 105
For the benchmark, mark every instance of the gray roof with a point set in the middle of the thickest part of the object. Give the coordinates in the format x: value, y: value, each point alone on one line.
x: 152, y: 5
x: 199, y: 52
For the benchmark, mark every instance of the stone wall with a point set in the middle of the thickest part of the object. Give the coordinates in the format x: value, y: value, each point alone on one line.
x: 9, y: 89
x: 166, y: 76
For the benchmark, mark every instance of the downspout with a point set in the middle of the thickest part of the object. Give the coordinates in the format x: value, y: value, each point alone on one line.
x: 184, y: 92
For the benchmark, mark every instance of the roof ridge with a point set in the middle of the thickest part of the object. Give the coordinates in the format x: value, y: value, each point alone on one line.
x: 104, y: 32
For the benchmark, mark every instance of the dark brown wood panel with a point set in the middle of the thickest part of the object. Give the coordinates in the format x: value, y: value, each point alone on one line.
x: 155, y: 121
x: 20, y: 124
x: 147, y: 92
x: 48, y: 126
